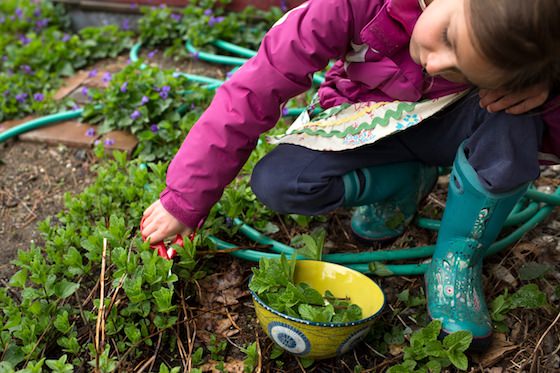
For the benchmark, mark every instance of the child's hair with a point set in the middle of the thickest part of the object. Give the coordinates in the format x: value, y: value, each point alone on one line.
x: 522, y: 37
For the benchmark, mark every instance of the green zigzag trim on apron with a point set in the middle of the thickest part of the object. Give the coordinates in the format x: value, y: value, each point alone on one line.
x: 389, y: 114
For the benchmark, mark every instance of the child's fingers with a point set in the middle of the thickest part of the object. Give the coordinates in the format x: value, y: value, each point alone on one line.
x: 150, y: 209
x: 525, y: 105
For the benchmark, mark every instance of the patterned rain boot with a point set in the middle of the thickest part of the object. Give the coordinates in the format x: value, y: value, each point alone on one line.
x: 388, y: 197
x: 472, y: 220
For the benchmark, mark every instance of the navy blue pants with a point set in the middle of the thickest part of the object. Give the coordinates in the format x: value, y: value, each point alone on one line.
x: 502, y: 148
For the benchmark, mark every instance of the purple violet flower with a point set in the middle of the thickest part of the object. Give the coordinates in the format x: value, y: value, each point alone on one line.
x: 208, y: 12
x: 107, y: 77
x: 97, y: 142
x: 24, y: 39
x: 152, y: 54
x: 90, y: 132
x: 135, y: 115
x: 109, y: 142
x: 125, y: 25
x: 42, y: 23
x: 65, y: 38
x: 145, y: 100
x: 284, y: 111
x: 283, y: 6
x: 38, y: 97
x: 92, y: 73
x: 85, y: 91
x: 154, y: 128
x: 176, y: 17
x: 123, y: 87
x: 6, y: 93
x: 21, y: 97
x: 37, y: 12
x: 195, y: 55
x: 26, y: 69
x: 214, y: 20
x: 19, y: 13
x: 164, y: 94
x: 229, y: 74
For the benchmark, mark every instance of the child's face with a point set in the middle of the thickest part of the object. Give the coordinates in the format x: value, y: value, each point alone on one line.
x: 443, y: 44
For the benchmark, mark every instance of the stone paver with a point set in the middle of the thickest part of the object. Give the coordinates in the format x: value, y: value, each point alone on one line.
x: 119, y: 140
x: 70, y: 133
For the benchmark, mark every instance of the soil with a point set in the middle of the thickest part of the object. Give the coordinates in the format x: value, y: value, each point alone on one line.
x: 36, y: 176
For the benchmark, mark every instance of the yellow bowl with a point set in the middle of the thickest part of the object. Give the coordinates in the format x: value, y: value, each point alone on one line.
x: 320, y: 340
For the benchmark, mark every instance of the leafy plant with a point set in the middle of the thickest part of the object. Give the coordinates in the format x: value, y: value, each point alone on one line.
x: 273, y: 282
x: 311, y: 245
x: 528, y: 297
x: 252, y: 357
x: 216, y: 348
x: 427, y: 353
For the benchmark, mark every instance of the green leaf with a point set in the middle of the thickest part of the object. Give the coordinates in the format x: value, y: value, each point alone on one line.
x: 460, y: 340
x: 19, y: 279
x: 533, y: 270
x: 528, y: 296
x: 459, y: 359
x: 65, y: 288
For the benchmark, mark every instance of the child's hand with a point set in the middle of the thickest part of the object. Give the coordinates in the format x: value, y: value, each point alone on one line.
x: 158, y: 224
x: 513, y: 102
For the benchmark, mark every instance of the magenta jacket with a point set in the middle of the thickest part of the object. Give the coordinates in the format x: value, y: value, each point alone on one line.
x: 369, y: 38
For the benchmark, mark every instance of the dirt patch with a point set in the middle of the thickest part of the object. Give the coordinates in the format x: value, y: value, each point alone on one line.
x: 34, y: 180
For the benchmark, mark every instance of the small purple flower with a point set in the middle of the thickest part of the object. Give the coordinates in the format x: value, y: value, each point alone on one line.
x: 19, y: 13
x: 24, y: 39
x: 176, y: 17
x: 196, y: 55
x: 65, y: 38
x: 85, y: 91
x: 26, y: 69
x: 164, y: 94
x: 107, y: 77
x: 133, y: 6
x: 229, y: 74
x: 154, y: 128
x: 283, y: 5
x: 97, y: 142
x: 90, y: 132
x: 123, y: 87
x: 152, y: 54
x: 37, y: 12
x: 145, y: 100
x: 214, y: 20
x: 284, y: 111
x: 42, y: 23
x: 92, y: 73
x: 109, y: 142
x: 21, y: 97
x: 208, y: 12
x: 38, y: 97
x: 125, y: 25
x: 75, y: 106
x: 6, y: 93
x: 135, y: 115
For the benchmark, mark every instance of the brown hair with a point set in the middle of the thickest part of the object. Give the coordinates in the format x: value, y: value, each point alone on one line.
x: 522, y: 37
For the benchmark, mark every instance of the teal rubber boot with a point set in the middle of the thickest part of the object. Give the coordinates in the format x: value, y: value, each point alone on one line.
x: 471, y: 222
x: 388, y: 197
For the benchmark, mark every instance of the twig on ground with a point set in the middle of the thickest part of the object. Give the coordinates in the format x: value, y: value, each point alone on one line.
x: 534, y: 354
x: 100, y: 324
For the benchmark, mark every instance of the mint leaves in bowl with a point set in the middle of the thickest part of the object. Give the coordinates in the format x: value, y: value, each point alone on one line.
x: 314, y: 309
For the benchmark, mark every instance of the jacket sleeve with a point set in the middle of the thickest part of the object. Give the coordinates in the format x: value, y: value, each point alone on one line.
x: 250, y: 103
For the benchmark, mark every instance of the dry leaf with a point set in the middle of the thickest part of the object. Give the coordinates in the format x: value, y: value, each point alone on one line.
x: 503, y: 274
x: 496, y: 351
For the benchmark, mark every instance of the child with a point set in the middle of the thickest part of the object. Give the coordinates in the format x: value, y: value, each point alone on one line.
x: 390, y: 51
